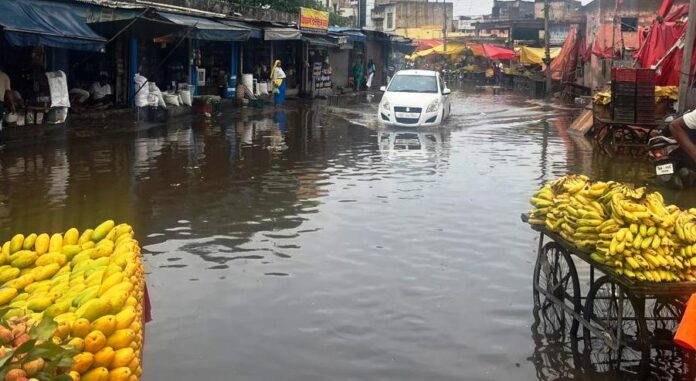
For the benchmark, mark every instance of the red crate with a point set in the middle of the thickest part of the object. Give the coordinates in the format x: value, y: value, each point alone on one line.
x: 624, y: 74
x: 645, y: 76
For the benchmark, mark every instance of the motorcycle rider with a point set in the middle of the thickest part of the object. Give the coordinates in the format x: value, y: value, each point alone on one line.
x: 683, y: 130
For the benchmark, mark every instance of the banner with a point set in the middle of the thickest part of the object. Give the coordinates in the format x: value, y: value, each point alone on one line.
x: 314, y: 19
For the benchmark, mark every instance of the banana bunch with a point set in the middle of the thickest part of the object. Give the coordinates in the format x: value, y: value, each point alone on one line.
x: 621, y: 226
x: 91, y: 284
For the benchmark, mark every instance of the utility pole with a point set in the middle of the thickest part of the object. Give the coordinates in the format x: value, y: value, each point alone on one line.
x: 547, y: 48
x: 444, y: 23
x: 685, y: 77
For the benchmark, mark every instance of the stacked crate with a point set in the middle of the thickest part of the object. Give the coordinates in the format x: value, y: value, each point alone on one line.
x: 623, y: 94
x: 645, y: 96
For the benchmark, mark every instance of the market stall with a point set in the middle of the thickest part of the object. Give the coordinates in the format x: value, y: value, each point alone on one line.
x: 642, y: 248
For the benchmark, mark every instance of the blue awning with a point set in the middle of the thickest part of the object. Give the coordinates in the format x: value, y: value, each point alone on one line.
x: 209, y: 30
x: 256, y: 33
x: 352, y: 34
x: 35, y: 23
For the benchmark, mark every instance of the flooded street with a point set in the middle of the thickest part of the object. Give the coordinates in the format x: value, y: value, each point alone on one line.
x: 295, y: 245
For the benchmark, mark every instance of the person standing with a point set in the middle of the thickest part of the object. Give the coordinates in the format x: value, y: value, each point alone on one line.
x: 357, y: 75
x: 371, y: 70
x: 278, y: 79
x: 6, y: 95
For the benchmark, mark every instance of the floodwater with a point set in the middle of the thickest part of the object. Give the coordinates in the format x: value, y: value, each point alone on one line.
x: 296, y: 245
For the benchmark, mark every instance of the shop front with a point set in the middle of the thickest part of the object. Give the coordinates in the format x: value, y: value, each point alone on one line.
x: 37, y: 41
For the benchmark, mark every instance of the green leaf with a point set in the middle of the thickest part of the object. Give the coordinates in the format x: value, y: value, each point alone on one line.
x: 62, y: 377
x: 44, y: 330
x: 6, y: 357
x: 47, y: 351
x: 26, y: 347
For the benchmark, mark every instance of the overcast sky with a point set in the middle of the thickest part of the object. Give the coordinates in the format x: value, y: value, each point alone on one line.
x: 477, y: 7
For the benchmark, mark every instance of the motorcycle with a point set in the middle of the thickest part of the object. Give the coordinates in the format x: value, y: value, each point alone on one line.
x: 673, y: 166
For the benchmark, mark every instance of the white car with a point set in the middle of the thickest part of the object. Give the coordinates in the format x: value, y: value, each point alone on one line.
x: 415, y: 98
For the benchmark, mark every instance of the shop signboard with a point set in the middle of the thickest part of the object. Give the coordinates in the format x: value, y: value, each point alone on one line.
x: 314, y: 20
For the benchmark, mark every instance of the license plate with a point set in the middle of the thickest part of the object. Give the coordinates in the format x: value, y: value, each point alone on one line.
x: 406, y: 142
x: 408, y: 115
x: 664, y: 169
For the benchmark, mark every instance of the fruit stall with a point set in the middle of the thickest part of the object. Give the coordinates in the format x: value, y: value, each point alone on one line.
x: 625, y: 117
x: 72, y: 305
x: 638, y: 253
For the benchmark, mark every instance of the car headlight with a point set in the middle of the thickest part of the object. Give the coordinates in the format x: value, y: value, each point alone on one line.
x: 434, y: 106
x: 385, y: 104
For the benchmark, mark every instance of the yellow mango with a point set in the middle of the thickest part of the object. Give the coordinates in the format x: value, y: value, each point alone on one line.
x: 56, y: 243
x: 71, y: 250
x: 24, y: 259
x: 121, y: 374
x: 122, y: 357
x: 6, y: 249
x: 125, y: 317
x: 37, y: 285
x: 7, y: 294
x: 86, y: 236
x: 66, y: 317
x: 39, y: 304
x: 80, y: 328
x: 75, y: 376
x: 83, y: 361
x: 95, y: 341
x: 110, y: 281
x: 104, y: 357
x: 41, y: 244
x: 21, y: 282
x: 57, y: 309
x: 95, y: 277
x: 85, y: 295
x: 121, y: 338
x: 96, y: 374
x: 49, y: 258
x: 103, y: 249
x: 46, y: 272
x: 9, y: 274
x: 16, y: 243
x: 77, y: 343
x: 105, y: 324
x: 94, y: 309
x: 71, y: 237
x: 29, y: 241
x: 87, y: 245
x: 102, y: 230
x: 117, y: 301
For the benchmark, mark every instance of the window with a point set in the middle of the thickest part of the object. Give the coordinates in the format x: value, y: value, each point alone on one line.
x: 629, y: 24
x: 390, y: 21
x: 413, y: 84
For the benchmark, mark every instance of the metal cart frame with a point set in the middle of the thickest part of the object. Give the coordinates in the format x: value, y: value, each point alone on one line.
x: 560, y: 285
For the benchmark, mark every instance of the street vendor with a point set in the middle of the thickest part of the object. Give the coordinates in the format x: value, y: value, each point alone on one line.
x: 278, y: 81
x: 100, y: 91
x: 684, y: 131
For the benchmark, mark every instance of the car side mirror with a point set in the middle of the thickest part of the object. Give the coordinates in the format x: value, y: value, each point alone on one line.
x: 383, y: 88
x: 446, y: 91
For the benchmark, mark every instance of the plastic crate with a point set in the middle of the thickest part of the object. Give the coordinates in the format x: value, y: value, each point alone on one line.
x: 623, y: 74
x: 623, y: 88
x: 645, y: 76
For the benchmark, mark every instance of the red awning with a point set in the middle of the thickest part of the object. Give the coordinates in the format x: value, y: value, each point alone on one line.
x: 565, y: 62
x: 427, y: 44
x: 497, y: 53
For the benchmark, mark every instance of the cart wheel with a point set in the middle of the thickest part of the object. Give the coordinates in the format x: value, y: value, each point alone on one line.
x: 555, y: 274
x: 602, y: 311
x: 666, y: 314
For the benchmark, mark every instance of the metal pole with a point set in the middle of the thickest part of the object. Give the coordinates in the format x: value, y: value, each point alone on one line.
x: 547, y: 48
x: 444, y: 23
x: 685, y: 76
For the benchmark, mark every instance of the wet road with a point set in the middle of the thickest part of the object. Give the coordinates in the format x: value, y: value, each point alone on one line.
x: 297, y: 246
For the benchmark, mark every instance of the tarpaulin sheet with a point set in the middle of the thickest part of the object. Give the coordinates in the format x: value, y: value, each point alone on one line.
x: 38, y: 23
x: 452, y: 48
x: 209, y: 30
x: 564, y: 64
x: 277, y: 34
x: 660, y: 46
x: 498, y: 53
x: 427, y: 44
x: 319, y: 41
x: 535, y: 55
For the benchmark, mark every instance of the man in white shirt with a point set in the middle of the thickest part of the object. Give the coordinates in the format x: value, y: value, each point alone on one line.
x: 6, y: 95
x: 682, y: 129
x: 101, y: 91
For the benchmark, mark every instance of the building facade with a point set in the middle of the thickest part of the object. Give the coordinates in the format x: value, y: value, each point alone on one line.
x: 412, y: 18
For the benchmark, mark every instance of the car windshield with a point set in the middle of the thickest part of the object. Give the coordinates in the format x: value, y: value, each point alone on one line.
x: 413, y: 84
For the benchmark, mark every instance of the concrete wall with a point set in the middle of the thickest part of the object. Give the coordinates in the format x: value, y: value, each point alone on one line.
x: 601, y: 30
x: 341, y: 65
x: 559, y: 10
x: 412, y: 14
x: 511, y: 10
